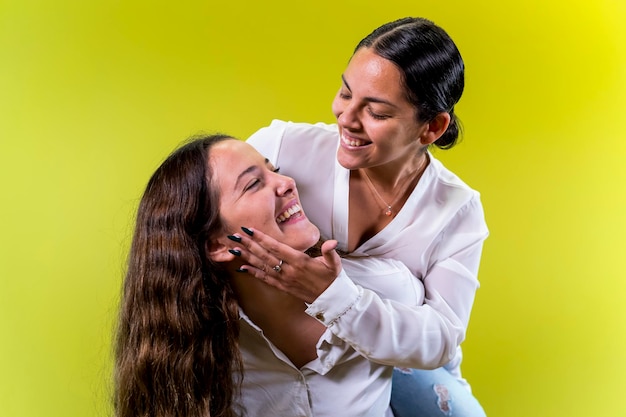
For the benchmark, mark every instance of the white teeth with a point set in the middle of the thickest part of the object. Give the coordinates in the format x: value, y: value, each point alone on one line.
x: 352, y: 142
x: 289, y: 212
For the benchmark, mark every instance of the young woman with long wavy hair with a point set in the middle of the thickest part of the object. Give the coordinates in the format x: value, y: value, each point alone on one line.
x: 199, y: 336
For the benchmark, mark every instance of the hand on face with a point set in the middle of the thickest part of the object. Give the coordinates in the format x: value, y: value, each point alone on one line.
x: 298, y: 274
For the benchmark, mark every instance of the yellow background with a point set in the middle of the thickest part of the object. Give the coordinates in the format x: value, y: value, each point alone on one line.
x: 94, y: 94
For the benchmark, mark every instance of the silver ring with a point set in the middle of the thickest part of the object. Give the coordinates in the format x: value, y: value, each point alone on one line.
x: 278, y: 268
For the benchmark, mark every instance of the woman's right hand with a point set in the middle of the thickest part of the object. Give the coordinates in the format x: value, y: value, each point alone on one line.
x: 298, y: 274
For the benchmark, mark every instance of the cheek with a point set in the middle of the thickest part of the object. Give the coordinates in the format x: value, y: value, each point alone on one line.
x: 227, y: 223
x: 260, y: 217
x: 388, y: 140
x: 232, y: 217
x: 383, y: 135
x: 337, y: 107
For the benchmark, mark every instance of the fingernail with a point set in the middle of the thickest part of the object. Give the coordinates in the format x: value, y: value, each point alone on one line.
x: 234, y: 238
x: 242, y: 270
x: 247, y: 231
x: 235, y: 252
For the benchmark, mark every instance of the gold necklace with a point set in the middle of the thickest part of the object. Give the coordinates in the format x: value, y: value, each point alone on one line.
x: 388, y: 207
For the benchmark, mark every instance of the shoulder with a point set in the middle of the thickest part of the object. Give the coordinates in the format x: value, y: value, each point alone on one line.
x: 448, y: 187
x: 282, y: 139
x: 453, y: 200
x: 280, y: 130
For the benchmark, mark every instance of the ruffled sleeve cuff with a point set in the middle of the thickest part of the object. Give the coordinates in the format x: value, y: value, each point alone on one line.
x: 338, y: 298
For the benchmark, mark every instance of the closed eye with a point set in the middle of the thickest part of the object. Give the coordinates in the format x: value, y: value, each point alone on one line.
x: 252, y: 184
x: 256, y: 181
x: 377, y: 116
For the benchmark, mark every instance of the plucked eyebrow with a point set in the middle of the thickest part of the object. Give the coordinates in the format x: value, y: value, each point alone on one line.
x: 368, y: 98
x: 247, y: 171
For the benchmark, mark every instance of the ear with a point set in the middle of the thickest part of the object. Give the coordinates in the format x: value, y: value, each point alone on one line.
x: 217, y: 251
x: 435, y: 128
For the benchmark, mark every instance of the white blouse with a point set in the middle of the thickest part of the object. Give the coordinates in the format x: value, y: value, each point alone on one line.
x: 438, y: 235
x: 341, y: 381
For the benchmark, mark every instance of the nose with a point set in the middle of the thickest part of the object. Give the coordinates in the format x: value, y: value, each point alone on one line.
x: 347, y: 116
x: 284, y: 185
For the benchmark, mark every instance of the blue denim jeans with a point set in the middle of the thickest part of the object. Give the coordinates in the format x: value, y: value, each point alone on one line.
x: 433, y: 393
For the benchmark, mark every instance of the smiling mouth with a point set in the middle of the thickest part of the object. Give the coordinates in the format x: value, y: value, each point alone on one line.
x: 295, y: 209
x: 353, y: 141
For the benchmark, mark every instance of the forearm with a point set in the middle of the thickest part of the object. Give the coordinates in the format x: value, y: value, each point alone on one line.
x: 388, y: 332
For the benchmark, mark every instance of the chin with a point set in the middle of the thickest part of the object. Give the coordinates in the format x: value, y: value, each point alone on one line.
x: 305, y: 243
x: 347, y: 161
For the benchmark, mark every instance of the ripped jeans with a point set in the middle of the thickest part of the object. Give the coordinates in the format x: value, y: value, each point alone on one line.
x: 432, y: 393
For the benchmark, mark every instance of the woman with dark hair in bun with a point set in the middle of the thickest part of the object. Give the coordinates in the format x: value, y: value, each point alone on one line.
x: 371, y: 183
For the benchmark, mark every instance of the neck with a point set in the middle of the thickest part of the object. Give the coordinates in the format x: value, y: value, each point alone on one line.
x: 393, y: 196
x: 392, y: 174
x: 258, y: 298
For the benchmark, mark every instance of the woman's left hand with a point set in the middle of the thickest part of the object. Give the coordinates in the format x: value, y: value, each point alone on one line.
x: 288, y: 269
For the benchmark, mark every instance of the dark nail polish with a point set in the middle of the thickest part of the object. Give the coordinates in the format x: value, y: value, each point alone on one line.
x: 247, y: 231
x: 234, y: 238
x: 235, y: 252
x: 243, y: 270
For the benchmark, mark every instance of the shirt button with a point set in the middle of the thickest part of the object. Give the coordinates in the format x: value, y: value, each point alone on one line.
x: 320, y: 316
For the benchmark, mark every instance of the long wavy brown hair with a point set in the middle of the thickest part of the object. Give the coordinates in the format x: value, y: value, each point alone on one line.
x: 176, y: 352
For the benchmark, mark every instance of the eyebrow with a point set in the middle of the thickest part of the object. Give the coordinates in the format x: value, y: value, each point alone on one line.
x: 245, y: 172
x: 368, y: 98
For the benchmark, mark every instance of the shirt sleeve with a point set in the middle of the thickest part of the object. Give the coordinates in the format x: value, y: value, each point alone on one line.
x: 378, y: 326
x: 424, y: 336
x: 452, y: 278
x: 267, y: 140
x: 387, y: 331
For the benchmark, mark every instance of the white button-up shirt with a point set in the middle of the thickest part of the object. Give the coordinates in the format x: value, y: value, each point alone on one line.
x: 341, y: 380
x: 438, y: 234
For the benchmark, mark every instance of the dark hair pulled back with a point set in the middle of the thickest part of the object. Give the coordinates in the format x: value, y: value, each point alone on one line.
x: 431, y: 65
